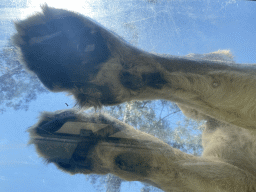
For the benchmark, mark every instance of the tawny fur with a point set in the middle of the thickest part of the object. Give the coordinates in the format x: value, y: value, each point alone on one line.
x: 69, y: 52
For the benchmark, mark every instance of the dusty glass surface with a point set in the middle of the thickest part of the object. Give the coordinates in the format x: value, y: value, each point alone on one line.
x: 164, y: 27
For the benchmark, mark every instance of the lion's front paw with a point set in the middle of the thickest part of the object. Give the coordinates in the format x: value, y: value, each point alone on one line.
x: 70, y: 52
x: 81, y: 143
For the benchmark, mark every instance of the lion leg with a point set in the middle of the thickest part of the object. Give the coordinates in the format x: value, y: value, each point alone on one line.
x: 80, y: 143
x: 72, y: 53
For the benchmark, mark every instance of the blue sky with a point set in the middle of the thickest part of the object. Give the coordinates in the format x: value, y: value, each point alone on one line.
x: 173, y: 27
